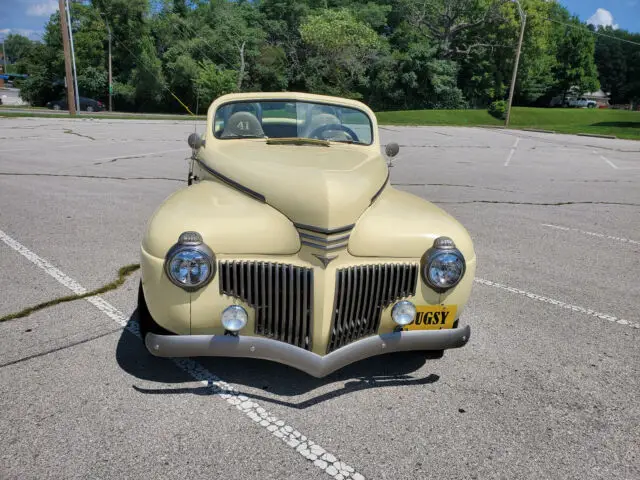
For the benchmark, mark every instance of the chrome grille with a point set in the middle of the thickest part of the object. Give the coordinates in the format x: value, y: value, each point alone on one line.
x: 282, y: 296
x: 362, y: 293
x: 324, y: 239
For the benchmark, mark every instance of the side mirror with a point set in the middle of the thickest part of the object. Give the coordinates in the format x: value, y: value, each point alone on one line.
x: 392, y: 149
x: 195, y: 141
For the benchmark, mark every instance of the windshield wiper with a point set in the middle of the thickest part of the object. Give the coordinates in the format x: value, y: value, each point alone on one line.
x: 298, y: 141
x: 237, y: 135
x: 349, y: 141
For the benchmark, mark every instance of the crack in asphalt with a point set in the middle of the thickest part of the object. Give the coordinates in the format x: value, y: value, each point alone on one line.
x: 71, y: 132
x: 450, y: 185
x: 9, y: 174
x: 127, y: 157
x: 138, y: 155
x: 123, y: 273
x: 551, y: 204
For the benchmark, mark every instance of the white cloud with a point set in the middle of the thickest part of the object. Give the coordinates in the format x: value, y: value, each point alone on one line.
x: 31, y: 34
x: 602, y: 18
x: 43, y: 9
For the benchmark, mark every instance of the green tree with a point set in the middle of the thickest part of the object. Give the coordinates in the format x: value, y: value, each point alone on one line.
x: 17, y: 47
x: 340, y: 49
x: 575, y: 68
x: 619, y: 64
x: 213, y: 81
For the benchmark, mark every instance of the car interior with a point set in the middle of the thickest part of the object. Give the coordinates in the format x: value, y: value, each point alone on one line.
x: 289, y: 120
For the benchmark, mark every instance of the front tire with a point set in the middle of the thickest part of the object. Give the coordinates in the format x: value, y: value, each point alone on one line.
x: 145, y: 320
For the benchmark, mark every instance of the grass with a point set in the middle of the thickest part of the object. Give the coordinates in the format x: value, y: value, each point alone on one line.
x: 7, y: 113
x: 621, y: 123
x: 123, y: 273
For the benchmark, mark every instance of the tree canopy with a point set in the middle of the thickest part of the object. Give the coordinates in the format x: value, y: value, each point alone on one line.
x: 392, y: 54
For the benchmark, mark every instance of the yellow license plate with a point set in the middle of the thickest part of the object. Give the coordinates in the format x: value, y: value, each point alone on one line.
x: 432, y: 317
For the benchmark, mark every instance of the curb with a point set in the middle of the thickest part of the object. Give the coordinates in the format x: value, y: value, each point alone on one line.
x: 537, y: 130
x: 596, y: 135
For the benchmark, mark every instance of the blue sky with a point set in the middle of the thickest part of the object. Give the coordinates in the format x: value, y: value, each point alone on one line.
x: 28, y: 17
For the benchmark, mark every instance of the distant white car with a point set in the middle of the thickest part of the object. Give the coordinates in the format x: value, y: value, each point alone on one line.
x: 574, y: 102
x: 580, y: 103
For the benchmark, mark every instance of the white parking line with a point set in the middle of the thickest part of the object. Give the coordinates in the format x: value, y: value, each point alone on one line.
x: 593, y: 234
x: 329, y: 463
x: 568, y: 306
x: 512, y: 152
x: 611, y: 164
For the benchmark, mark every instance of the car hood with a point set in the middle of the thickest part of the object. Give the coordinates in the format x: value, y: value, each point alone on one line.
x: 325, y: 187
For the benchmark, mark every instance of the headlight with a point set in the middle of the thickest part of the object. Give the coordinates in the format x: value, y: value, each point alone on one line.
x: 190, y: 264
x: 234, y: 318
x: 443, y: 265
x: 403, y: 312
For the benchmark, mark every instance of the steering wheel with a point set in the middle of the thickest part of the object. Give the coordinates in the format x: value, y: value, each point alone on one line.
x: 334, y: 126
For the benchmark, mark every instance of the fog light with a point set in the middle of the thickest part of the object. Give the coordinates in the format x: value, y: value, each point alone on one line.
x: 403, y: 312
x: 234, y: 318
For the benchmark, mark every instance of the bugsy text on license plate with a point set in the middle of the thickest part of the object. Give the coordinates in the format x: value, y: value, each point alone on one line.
x: 433, y: 317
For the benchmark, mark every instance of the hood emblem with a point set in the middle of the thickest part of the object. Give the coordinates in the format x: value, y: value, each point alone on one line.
x: 325, y: 259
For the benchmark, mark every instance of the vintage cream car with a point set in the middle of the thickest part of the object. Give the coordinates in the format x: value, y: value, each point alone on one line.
x: 289, y: 244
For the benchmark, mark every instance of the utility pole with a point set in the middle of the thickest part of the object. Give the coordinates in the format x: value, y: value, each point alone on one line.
x: 4, y: 56
x: 73, y: 57
x: 110, y: 77
x: 71, y: 98
x: 523, y: 18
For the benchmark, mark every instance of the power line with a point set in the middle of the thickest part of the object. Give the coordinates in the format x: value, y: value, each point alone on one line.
x: 141, y: 63
x: 225, y: 60
x: 581, y: 26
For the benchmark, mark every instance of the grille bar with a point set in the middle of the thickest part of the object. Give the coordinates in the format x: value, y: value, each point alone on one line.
x: 362, y: 292
x: 281, y: 294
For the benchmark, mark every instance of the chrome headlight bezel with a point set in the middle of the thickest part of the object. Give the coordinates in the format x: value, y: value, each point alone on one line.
x: 441, y: 246
x: 190, y: 242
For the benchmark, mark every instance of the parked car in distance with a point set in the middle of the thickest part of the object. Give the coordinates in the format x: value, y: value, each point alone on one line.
x: 86, y: 104
x: 572, y: 102
x: 581, y: 103
x: 290, y: 244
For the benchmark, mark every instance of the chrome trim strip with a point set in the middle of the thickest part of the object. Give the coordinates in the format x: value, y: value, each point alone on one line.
x: 384, y: 184
x: 326, y: 248
x: 326, y: 231
x: 231, y: 182
x: 322, y: 239
x: 309, y: 362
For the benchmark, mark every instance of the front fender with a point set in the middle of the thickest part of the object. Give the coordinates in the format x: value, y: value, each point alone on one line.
x: 403, y: 225
x: 229, y: 221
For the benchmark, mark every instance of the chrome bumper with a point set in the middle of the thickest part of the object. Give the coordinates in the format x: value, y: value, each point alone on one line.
x: 309, y: 362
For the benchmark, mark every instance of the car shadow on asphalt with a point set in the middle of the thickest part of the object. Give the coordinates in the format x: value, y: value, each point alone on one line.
x: 389, y: 370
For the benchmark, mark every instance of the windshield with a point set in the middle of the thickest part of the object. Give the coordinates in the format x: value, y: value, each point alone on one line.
x: 282, y: 119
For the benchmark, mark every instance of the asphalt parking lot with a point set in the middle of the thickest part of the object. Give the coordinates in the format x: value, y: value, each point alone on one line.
x: 546, y: 388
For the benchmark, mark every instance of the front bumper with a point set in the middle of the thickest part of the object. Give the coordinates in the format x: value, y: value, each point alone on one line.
x: 309, y: 362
